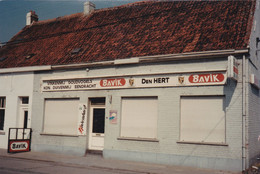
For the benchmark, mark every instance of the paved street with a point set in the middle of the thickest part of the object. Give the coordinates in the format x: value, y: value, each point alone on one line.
x: 49, y: 163
x: 26, y: 166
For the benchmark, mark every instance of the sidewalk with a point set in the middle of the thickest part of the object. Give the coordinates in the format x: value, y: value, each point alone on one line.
x: 96, y: 161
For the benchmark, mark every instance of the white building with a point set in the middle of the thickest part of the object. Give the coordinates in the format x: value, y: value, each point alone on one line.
x: 162, y: 82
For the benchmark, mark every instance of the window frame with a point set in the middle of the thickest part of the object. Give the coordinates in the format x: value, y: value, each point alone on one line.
x: 48, y: 132
x: 22, y: 100
x: 3, y: 107
x: 217, y: 143
x: 123, y: 136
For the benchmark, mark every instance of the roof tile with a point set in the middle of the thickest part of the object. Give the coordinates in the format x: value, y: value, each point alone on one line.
x: 137, y: 29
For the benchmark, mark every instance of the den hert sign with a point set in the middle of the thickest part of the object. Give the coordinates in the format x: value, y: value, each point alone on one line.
x: 136, y: 81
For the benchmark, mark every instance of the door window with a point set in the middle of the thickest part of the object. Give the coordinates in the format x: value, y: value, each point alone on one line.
x: 98, y: 120
x: 96, y: 124
x: 25, y: 123
x: 2, y: 112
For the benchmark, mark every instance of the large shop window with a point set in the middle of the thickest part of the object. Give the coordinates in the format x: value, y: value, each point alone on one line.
x: 203, y: 119
x: 2, y: 112
x: 139, y: 117
x: 61, y: 116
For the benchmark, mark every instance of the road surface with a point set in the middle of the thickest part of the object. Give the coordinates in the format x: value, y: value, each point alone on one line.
x: 9, y: 165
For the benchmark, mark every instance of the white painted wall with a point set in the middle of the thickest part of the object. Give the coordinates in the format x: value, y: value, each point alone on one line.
x: 12, y: 86
x: 168, y: 149
x: 253, y: 94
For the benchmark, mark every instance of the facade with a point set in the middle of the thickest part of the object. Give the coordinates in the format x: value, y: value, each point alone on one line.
x: 15, y: 106
x: 162, y: 82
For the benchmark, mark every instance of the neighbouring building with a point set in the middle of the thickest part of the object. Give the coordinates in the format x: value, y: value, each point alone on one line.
x: 170, y: 82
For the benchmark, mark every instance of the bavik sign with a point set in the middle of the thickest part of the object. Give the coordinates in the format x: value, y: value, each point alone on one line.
x: 18, y: 146
x: 112, y: 82
x: 19, y: 140
x: 136, y: 81
x: 206, y: 78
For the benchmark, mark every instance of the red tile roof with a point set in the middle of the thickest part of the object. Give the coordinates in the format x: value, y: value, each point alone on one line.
x: 137, y: 29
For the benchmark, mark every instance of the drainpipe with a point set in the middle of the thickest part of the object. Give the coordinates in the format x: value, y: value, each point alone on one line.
x: 244, y: 75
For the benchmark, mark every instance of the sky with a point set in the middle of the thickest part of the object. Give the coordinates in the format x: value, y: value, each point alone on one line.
x: 13, y: 12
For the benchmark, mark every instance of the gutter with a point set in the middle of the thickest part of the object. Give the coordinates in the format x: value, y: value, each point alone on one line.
x: 82, y: 65
x: 156, y: 58
x: 128, y: 61
x: 25, y: 69
x: 194, y: 55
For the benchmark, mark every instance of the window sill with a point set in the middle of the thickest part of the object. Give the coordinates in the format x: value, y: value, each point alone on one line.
x: 138, y: 139
x: 202, y: 143
x: 60, y: 135
x: 2, y: 133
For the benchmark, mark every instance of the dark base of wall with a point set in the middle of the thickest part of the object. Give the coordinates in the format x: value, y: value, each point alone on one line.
x: 76, y: 151
x: 226, y: 164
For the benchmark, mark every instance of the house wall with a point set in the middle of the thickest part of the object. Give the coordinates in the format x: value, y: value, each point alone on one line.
x: 168, y: 149
x: 253, y: 120
x: 253, y: 111
x: 255, y: 32
x: 13, y: 86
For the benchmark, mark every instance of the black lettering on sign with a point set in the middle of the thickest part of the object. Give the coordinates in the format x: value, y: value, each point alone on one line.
x: 46, y: 88
x: 18, y: 146
x: 59, y: 82
x: 147, y: 81
x: 161, y: 80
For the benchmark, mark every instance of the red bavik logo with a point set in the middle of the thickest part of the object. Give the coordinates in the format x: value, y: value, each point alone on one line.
x: 112, y: 82
x: 206, y: 78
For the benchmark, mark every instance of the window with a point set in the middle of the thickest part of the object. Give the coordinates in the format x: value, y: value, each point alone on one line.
x: 25, y: 100
x: 203, y: 119
x: 61, y: 116
x: 24, y: 120
x: 139, y: 117
x: 2, y: 112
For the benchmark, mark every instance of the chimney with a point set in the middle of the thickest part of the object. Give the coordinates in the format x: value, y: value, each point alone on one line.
x: 89, y: 7
x: 31, y: 17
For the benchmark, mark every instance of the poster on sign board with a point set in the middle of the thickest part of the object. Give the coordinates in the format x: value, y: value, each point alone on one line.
x: 82, y: 128
x: 113, y: 117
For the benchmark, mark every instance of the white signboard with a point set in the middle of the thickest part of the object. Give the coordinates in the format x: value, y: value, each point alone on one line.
x: 255, y: 81
x: 232, y: 68
x: 145, y: 81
